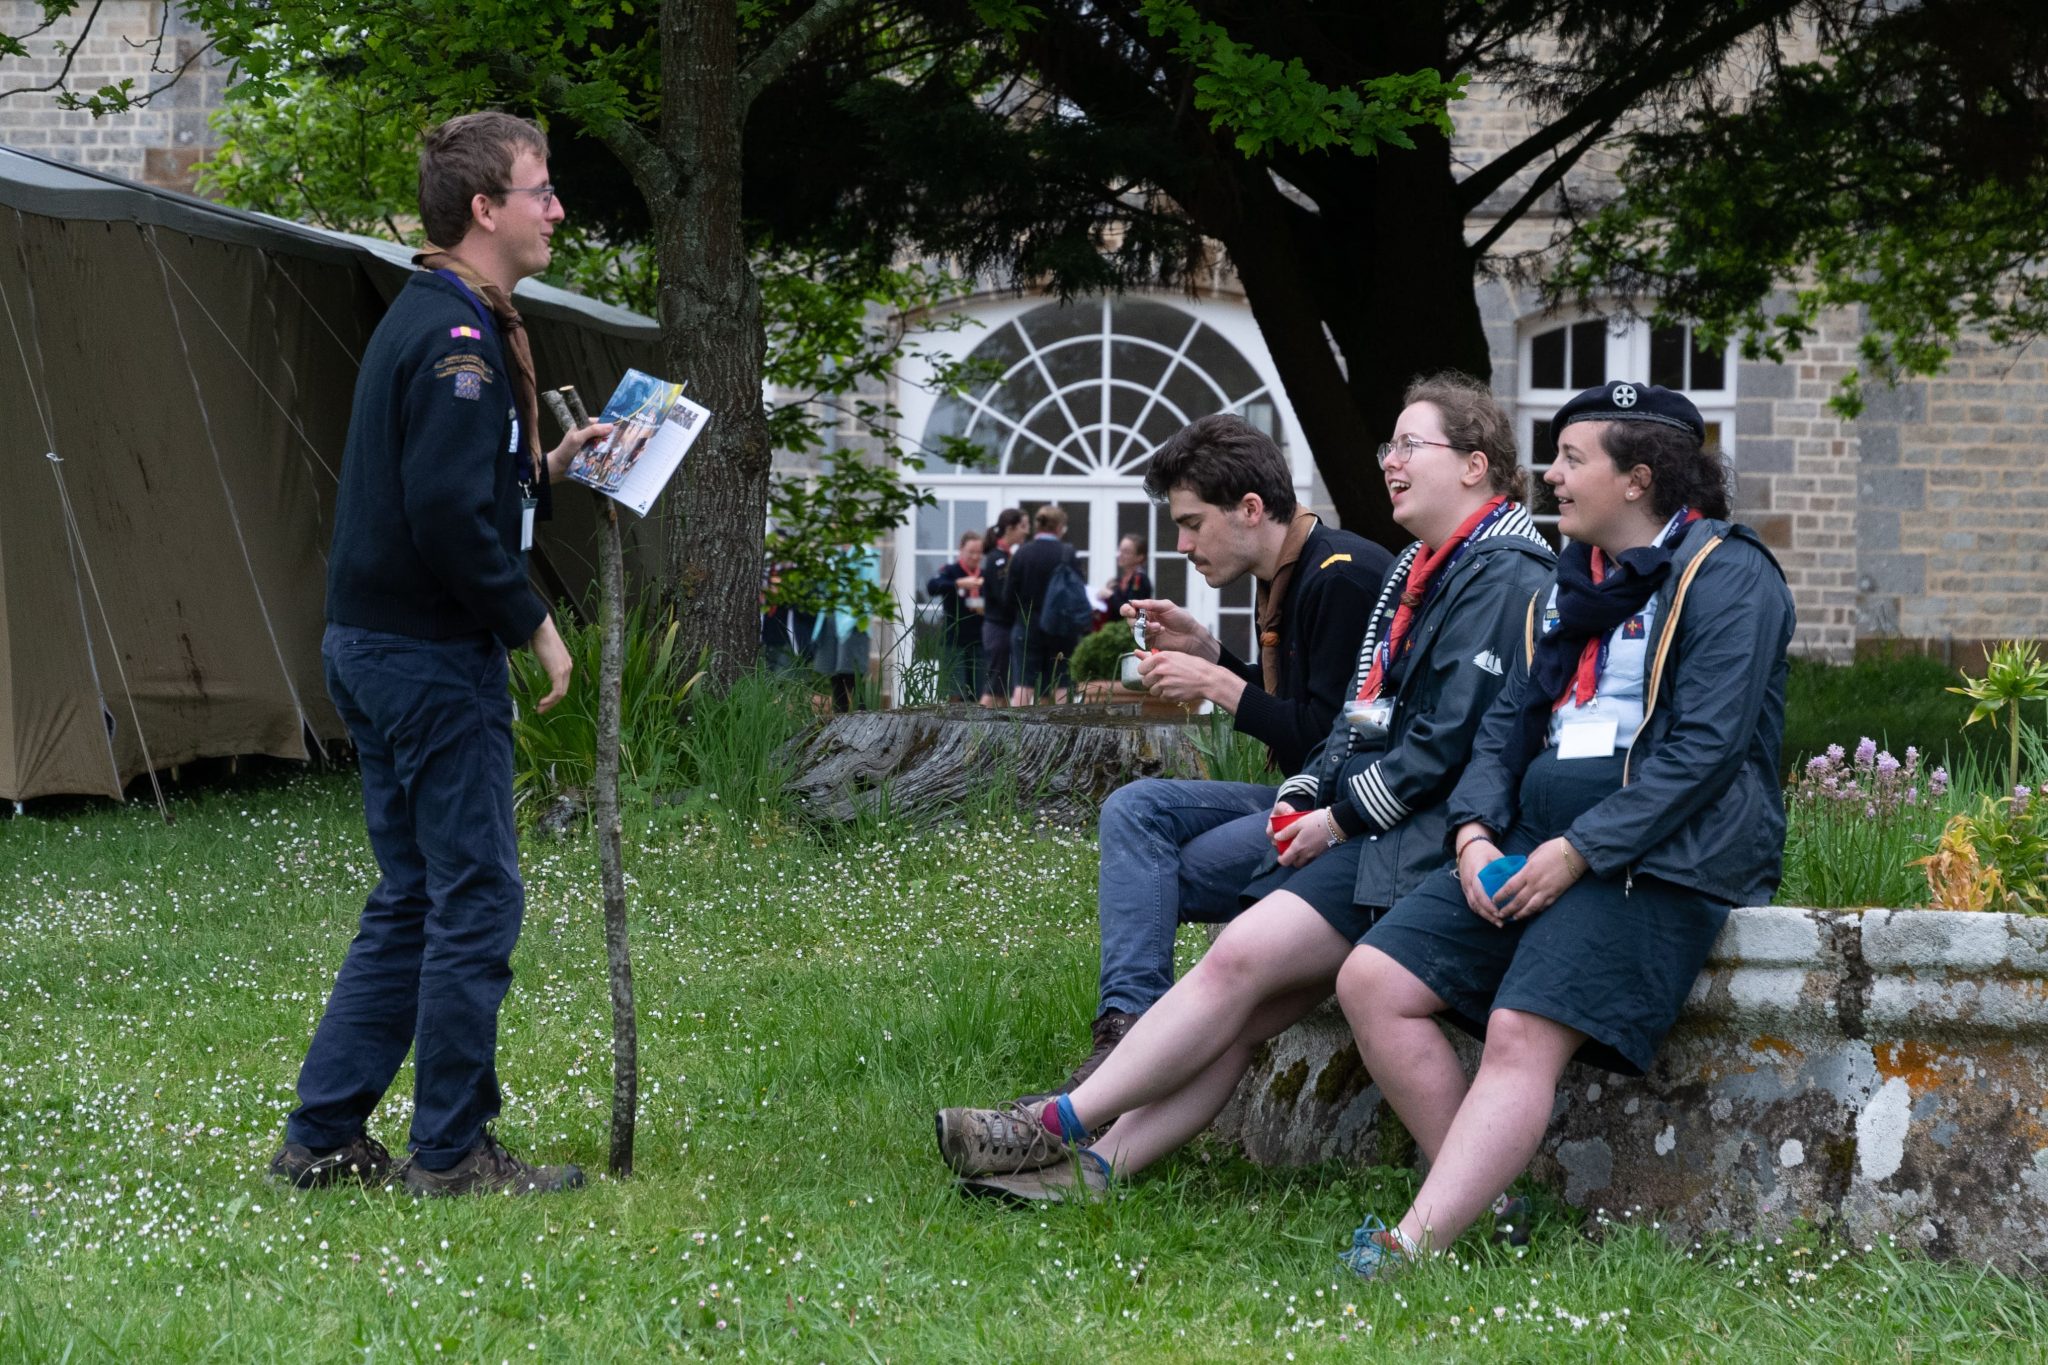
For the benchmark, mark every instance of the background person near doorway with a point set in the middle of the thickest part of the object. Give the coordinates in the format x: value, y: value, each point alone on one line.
x: 1041, y: 654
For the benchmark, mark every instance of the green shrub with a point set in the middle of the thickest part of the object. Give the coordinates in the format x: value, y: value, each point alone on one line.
x: 1856, y: 823
x: 1229, y: 755
x: 1897, y: 701
x: 731, y: 744
x: 555, y: 751
x: 1095, y: 657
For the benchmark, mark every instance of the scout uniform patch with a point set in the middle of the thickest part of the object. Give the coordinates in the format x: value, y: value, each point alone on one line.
x: 469, y: 371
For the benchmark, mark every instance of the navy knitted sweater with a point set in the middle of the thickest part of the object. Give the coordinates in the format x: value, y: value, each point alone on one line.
x: 426, y: 520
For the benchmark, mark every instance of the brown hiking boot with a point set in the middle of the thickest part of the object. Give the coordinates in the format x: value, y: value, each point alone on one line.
x: 362, y: 1159
x: 1109, y: 1030
x: 996, y: 1141
x: 488, y: 1168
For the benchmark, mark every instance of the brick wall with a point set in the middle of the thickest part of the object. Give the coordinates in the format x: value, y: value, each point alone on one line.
x: 158, y: 143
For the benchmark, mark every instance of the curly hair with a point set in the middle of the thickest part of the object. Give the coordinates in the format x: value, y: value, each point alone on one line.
x: 1220, y: 458
x: 1474, y: 420
x: 1683, y: 471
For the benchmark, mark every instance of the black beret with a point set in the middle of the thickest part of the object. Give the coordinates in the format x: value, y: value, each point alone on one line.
x: 1622, y: 401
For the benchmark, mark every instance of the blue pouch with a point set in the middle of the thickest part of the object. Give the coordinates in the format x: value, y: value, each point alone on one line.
x: 1495, y: 874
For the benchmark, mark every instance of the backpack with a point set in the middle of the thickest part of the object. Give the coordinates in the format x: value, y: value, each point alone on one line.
x: 1066, y: 610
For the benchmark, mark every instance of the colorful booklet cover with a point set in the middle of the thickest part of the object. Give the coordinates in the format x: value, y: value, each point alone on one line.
x: 654, y: 427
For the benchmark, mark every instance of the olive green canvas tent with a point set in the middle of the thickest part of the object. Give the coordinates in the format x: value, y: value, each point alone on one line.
x: 175, y: 381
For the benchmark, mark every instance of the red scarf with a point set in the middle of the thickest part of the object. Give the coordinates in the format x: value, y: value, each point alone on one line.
x: 1421, y: 569
x: 1586, y: 680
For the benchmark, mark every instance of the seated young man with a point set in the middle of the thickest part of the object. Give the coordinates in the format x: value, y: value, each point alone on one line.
x: 1369, y: 824
x: 1176, y: 851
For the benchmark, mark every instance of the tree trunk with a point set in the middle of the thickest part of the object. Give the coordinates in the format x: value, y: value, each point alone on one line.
x: 711, y: 339
x: 610, y: 856
x: 1056, y: 763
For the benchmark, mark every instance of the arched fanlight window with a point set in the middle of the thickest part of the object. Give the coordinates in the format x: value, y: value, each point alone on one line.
x: 1090, y: 390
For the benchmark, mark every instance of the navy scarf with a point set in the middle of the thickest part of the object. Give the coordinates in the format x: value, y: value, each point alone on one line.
x: 1586, y: 611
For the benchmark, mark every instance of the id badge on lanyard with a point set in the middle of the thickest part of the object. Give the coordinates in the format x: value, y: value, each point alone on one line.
x: 528, y: 503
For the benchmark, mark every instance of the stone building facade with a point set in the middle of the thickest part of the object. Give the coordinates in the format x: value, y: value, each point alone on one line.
x: 1923, y: 523
x: 142, y: 41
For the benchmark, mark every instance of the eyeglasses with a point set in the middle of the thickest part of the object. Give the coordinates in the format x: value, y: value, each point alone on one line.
x: 1406, y: 448
x: 544, y: 192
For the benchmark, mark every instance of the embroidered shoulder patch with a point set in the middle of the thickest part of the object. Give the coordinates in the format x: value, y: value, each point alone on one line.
x: 468, y: 384
x: 470, y: 332
x: 1339, y: 558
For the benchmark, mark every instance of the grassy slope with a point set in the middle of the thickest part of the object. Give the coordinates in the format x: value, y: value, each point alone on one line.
x: 803, y: 1011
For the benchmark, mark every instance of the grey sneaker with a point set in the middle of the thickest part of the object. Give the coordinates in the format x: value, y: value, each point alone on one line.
x: 976, y: 1142
x: 1084, y: 1180
x: 363, y: 1160
x: 488, y: 1168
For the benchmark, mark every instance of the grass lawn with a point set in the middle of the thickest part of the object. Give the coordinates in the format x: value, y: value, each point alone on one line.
x: 803, y: 1009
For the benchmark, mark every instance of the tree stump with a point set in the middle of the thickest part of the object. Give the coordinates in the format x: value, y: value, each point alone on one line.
x: 928, y: 764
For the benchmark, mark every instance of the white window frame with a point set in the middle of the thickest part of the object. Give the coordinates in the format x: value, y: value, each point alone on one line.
x: 1627, y: 357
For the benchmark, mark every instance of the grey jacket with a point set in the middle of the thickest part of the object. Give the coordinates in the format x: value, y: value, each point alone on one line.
x: 1466, y: 641
x: 1699, y: 803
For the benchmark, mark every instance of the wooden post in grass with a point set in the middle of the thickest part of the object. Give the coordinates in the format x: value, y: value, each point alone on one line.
x: 605, y: 806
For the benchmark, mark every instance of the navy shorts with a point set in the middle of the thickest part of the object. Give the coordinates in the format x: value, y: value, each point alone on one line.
x: 1328, y: 883
x: 1613, y: 961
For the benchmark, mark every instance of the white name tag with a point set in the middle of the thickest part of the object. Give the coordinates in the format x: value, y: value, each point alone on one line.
x: 1586, y: 739
x: 526, y: 506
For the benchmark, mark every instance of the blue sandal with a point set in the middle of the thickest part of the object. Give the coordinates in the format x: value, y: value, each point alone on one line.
x: 1368, y: 1257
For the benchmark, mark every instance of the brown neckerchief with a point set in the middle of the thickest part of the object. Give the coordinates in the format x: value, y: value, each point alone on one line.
x: 1273, y: 597
x: 518, y: 349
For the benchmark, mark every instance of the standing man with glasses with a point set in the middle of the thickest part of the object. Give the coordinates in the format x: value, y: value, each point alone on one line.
x: 441, y: 482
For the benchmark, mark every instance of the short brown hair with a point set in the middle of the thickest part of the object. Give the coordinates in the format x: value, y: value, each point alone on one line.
x: 1474, y: 420
x: 469, y: 155
x: 1220, y: 458
x: 1051, y: 518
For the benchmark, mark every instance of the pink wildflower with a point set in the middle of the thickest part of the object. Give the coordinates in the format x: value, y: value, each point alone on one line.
x: 1866, y: 752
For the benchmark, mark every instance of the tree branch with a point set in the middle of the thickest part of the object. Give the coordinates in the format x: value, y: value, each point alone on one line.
x: 768, y: 65
x: 653, y: 174
x: 1552, y: 173
x: 70, y: 55
x: 1615, y: 101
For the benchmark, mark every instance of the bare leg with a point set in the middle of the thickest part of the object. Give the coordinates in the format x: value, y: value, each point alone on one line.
x: 1278, y: 947
x: 1392, y: 1015
x: 1022, y: 696
x: 1498, y: 1127
x: 1146, y: 1134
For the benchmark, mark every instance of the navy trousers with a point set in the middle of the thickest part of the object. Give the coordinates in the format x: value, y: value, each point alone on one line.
x: 431, y: 961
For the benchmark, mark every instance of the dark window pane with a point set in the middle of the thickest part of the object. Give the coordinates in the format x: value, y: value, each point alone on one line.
x: 1058, y: 321
x: 1667, y: 357
x: 931, y: 527
x: 1238, y: 594
x: 1134, y: 519
x: 1546, y: 360
x: 1235, y: 631
x: 1153, y: 321
x: 1709, y: 366
x: 1542, y: 498
x: 1170, y: 579
x: 1589, y: 353
x: 1224, y: 367
x: 1542, y: 448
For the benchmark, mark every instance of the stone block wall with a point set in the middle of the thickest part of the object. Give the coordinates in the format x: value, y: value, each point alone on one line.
x: 142, y: 41
x: 1876, y: 1072
x: 1953, y: 483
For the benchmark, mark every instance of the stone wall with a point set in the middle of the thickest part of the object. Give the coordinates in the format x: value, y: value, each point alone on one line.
x: 136, y: 40
x: 1953, y: 487
x: 1877, y: 1072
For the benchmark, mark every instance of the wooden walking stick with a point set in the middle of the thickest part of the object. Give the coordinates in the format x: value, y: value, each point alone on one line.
x: 569, y: 411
